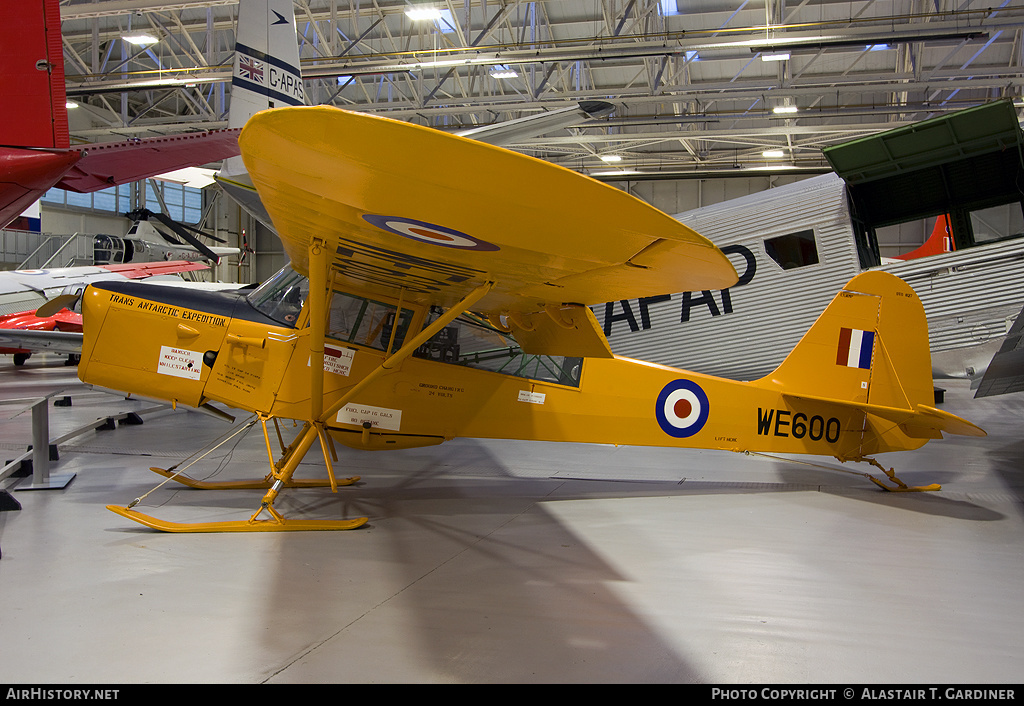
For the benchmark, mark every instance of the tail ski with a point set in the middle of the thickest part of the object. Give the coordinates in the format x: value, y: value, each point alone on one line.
x: 869, y: 350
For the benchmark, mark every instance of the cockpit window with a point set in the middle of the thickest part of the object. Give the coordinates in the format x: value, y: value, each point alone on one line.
x: 281, y: 297
x: 359, y: 320
x: 109, y: 249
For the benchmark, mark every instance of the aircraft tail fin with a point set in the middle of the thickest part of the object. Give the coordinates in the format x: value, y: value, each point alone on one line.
x: 266, y: 70
x: 940, y: 241
x: 869, y: 350
x: 32, y: 94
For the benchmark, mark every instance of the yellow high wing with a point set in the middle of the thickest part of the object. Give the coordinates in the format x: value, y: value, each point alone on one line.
x: 434, y: 216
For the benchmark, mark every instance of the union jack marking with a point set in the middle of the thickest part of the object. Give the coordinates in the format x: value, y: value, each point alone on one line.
x: 251, y: 69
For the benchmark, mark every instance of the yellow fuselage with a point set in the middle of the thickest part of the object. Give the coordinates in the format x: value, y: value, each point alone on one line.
x: 206, y: 347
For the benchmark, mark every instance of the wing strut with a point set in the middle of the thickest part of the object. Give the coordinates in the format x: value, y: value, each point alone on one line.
x: 317, y: 324
x: 407, y: 349
x: 315, y: 428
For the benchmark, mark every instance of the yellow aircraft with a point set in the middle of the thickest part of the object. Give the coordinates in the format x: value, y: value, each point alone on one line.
x: 439, y: 287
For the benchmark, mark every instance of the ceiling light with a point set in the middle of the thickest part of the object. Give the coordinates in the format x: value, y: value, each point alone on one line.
x: 423, y: 13
x: 784, y: 109
x: 140, y: 39
x: 833, y: 41
x: 611, y: 158
x: 502, y: 71
x: 777, y: 56
x: 773, y: 153
x: 70, y: 104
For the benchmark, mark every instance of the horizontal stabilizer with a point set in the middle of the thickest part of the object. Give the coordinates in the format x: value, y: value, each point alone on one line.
x: 68, y: 342
x: 111, y: 163
x: 944, y: 421
x: 922, y: 422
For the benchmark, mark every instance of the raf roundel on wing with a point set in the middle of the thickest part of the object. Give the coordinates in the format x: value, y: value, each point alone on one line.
x: 428, y: 232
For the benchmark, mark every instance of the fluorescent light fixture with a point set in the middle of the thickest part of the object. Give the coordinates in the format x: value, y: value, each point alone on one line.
x: 615, y: 172
x: 773, y: 153
x: 784, y: 109
x: 140, y: 39
x: 503, y: 71
x: 777, y: 56
x: 70, y: 104
x: 611, y: 158
x: 423, y: 13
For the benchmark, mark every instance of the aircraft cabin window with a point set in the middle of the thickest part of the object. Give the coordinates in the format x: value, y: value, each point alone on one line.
x: 281, y: 297
x: 366, y: 322
x: 474, y: 342
x: 793, y: 250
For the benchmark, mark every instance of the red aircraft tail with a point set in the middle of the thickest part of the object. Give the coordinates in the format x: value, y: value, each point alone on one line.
x: 35, y: 150
x: 940, y: 241
x: 32, y: 98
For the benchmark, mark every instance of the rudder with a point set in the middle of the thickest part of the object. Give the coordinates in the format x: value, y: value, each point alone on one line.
x: 869, y: 346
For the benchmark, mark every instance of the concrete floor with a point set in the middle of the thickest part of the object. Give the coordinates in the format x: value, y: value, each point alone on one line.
x: 495, y: 561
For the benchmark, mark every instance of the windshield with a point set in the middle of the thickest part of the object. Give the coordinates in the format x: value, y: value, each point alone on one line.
x: 281, y: 297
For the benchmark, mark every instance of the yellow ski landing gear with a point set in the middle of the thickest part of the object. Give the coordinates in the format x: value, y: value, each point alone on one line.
x: 277, y: 524
x: 279, y: 477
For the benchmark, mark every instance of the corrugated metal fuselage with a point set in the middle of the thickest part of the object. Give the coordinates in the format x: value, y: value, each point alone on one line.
x: 970, y: 296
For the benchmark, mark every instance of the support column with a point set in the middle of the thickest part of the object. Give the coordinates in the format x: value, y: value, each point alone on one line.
x: 41, y: 478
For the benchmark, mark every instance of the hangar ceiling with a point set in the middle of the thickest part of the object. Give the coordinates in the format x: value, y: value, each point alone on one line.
x: 692, y: 91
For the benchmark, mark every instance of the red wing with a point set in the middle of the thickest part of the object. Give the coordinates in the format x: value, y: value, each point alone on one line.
x: 141, y: 270
x: 111, y: 163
